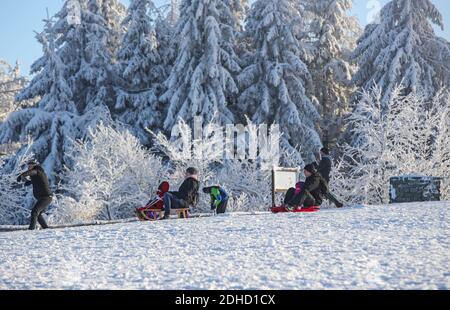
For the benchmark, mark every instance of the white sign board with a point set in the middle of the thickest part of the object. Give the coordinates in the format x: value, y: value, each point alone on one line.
x: 285, y: 179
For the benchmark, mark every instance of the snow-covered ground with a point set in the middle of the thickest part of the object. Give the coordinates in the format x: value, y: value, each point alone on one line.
x: 403, y: 246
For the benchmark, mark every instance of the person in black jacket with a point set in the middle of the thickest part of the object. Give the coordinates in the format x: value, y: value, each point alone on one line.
x: 41, y: 191
x: 186, y: 196
x: 325, y: 164
x: 324, y: 169
x: 312, y: 190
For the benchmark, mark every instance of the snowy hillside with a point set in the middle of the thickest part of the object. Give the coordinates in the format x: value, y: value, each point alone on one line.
x: 382, y: 247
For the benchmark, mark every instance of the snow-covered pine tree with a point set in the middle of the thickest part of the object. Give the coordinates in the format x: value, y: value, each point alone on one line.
x: 334, y: 34
x: 232, y: 27
x: 138, y: 50
x: 201, y: 79
x: 243, y: 45
x: 274, y: 83
x: 174, y: 12
x: 239, y: 9
x: 166, y: 18
x: 404, y: 49
x: 50, y: 122
x: 167, y: 42
x: 61, y: 114
x: 96, y: 72
x: 142, y: 70
x: 114, y: 12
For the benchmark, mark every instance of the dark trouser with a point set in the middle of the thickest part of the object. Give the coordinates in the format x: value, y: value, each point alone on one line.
x: 289, y: 195
x: 36, y: 213
x: 222, y: 207
x: 307, y: 200
x: 332, y: 199
x: 172, y: 202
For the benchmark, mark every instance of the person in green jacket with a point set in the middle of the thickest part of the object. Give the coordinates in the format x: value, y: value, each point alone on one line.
x: 219, y: 198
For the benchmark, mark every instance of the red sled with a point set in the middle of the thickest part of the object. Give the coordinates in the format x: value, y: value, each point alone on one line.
x: 283, y: 209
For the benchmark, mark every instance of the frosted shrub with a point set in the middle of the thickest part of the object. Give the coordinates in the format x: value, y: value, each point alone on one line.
x: 248, y: 185
x: 10, y: 84
x: 249, y: 181
x: 408, y: 135
x: 111, y: 175
x: 440, y: 160
x: 15, y: 198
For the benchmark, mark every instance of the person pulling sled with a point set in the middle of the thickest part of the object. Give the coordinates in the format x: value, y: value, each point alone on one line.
x: 35, y: 176
x: 324, y: 168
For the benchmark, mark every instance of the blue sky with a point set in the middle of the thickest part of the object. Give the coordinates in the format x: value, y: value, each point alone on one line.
x: 20, y: 18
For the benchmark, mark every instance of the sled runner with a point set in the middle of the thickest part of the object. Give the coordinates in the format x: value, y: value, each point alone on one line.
x: 283, y: 209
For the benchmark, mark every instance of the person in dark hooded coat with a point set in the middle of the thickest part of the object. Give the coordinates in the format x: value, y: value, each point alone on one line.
x: 186, y: 196
x: 312, y: 191
x: 325, y: 164
x: 324, y: 168
x: 35, y: 176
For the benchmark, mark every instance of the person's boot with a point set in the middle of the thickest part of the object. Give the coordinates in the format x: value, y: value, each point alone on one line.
x: 43, y: 222
x: 333, y: 199
x: 33, y: 221
x: 290, y: 208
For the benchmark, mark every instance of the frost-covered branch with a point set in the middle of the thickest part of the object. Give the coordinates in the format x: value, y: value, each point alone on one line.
x: 15, y: 199
x: 409, y: 135
x: 112, y: 174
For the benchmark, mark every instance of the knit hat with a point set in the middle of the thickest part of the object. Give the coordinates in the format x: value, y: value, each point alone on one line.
x: 311, y: 168
x: 192, y: 171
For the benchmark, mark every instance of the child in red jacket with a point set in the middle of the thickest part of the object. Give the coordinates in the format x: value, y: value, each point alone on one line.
x: 157, y: 202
